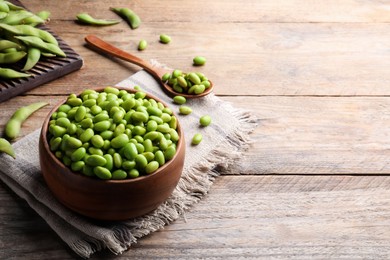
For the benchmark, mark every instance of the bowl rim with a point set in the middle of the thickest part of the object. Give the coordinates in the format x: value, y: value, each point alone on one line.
x: 44, y: 139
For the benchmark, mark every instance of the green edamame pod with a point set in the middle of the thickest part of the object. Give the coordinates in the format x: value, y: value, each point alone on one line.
x: 87, y: 19
x: 28, y: 30
x: 33, y: 56
x: 12, y: 128
x: 6, y: 147
x: 11, y: 57
x: 44, y: 15
x: 12, y: 74
x: 129, y: 15
x: 37, y: 42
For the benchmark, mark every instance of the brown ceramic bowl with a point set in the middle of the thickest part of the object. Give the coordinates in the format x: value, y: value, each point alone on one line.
x: 109, y: 199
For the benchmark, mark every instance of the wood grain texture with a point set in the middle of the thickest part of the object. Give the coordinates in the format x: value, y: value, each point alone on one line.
x: 313, y: 184
x: 268, y: 217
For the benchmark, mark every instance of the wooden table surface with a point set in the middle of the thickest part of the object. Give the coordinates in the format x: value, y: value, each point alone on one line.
x: 313, y: 185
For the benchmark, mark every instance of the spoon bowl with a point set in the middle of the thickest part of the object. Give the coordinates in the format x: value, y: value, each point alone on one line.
x: 156, y: 72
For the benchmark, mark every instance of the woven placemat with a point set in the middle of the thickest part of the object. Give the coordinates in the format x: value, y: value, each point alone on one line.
x: 223, y: 142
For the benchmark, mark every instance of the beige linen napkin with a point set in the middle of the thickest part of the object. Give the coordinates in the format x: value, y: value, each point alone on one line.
x: 222, y: 143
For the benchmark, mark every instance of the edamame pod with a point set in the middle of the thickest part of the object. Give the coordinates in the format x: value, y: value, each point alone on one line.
x: 12, y: 128
x: 37, y: 42
x: 129, y: 15
x: 85, y: 18
x: 11, y: 57
x: 6, y: 147
x: 33, y: 56
x: 12, y: 74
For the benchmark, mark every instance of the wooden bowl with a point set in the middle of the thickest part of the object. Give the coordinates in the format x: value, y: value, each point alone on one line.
x: 109, y: 199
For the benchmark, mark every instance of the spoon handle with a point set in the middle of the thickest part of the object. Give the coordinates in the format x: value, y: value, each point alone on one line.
x: 114, y: 51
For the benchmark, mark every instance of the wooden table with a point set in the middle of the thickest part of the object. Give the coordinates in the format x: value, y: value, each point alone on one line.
x: 314, y: 184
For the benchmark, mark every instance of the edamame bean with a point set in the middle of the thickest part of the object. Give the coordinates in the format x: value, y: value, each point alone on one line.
x: 179, y: 100
x: 12, y: 128
x: 185, y: 110
x: 199, y: 61
x: 78, y: 154
x: 119, y: 175
x: 196, y: 139
x: 165, y: 39
x: 205, y: 120
x: 142, y: 45
x: 151, y: 167
x: 96, y: 160
x: 12, y: 74
x: 6, y: 147
x: 102, y: 173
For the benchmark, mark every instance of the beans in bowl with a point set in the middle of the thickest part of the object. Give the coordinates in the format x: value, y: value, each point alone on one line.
x: 113, y: 134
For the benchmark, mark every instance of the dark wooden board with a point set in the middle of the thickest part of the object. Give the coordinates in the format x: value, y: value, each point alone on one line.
x: 47, y: 69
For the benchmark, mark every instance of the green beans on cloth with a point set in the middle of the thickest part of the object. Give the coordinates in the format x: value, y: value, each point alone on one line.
x: 223, y: 140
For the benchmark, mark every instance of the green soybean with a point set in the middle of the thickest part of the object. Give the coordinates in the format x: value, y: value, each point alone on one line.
x: 185, y: 110
x: 165, y: 39
x: 199, y: 61
x: 205, y: 120
x: 12, y: 128
x: 96, y: 160
x: 6, y: 147
x: 142, y: 45
x: 102, y: 173
x: 151, y: 167
x: 196, y: 139
x: 179, y: 100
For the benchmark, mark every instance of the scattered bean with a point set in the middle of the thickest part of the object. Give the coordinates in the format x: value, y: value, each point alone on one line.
x: 205, y: 120
x: 165, y: 38
x: 185, y: 110
x: 199, y: 61
x: 142, y: 45
x: 196, y: 139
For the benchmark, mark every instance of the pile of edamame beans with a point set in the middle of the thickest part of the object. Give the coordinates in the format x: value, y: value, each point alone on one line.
x: 190, y: 83
x: 113, y: 134
x: 21, y: 39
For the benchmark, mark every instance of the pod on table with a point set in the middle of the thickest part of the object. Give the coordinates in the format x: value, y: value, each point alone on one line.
x: 129, y: 15
x: 85, y: 18
x: 12, y: 127
x: 6, y: 147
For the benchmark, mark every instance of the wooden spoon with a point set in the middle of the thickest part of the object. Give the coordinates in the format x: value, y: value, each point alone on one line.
x: 156, y: 72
